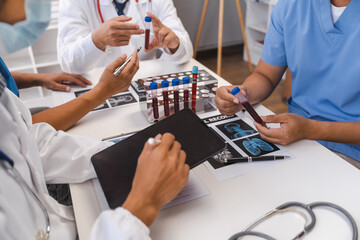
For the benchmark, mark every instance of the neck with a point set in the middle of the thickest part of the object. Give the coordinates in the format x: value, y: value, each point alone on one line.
x: 340, y: 3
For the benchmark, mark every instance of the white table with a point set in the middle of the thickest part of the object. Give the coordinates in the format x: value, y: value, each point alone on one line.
x: 316, y: 174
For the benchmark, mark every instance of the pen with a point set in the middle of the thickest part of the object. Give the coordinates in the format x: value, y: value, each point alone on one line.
x: 153, y: 141
x: 254, y: 159
x: 120, y: 68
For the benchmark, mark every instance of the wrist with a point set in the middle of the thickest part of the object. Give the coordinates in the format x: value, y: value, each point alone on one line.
x: 145, y: 211
x: 173, y: 50
x: 97, y: 41
x: 312, y: 129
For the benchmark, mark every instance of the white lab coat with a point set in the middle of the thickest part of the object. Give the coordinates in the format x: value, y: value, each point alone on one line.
x: 43, y: 155
x: 79, y: 18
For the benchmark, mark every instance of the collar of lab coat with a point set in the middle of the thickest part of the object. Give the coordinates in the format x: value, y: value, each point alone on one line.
x: 107, y: 2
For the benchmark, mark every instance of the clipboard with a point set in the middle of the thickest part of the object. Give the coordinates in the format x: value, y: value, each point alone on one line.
x: 116, y: 165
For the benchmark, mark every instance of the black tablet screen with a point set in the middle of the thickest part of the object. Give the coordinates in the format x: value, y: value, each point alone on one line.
x: 116, y: 165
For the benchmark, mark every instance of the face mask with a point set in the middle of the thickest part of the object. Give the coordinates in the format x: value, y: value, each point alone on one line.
x: 25, y: 33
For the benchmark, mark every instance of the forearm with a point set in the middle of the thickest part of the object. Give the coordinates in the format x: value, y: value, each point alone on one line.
x: 340, y: 132
x: 262, y: 82
x: 66, y: 115
x: 26, y: 80
x: 258, y: 87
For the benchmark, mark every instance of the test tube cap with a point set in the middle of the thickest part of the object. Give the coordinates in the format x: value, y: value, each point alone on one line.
x: 185, y: 80
x: 195, y: 69
x: 175, y: 82
x: 235, y: 91
x: 147, y: 19
x: 164, y: 83
x: 153, y: 86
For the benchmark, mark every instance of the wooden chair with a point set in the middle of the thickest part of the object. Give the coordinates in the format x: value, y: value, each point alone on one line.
x: 220, y: 34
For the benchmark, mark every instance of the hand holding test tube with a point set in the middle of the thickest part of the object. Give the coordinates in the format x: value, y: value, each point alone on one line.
x: 242, y: 99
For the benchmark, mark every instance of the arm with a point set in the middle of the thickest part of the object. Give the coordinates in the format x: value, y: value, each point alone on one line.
x: 167, y: 15
x: 160, y: 175
x: 53, y: 81
x: 66, y: 115
x: 80, y: 45
x: 294, y: 127
x: 256, y: 88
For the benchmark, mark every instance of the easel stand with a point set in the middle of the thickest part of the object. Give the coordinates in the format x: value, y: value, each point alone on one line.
x: 220, y: 34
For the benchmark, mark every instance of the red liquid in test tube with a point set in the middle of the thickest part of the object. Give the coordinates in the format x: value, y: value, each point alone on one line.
x: 165, y: 92
x: 195, y: 71
x: 155, y: 107
x: 236, y: 92
x: 147, y: 31
x: 175, y: 85
x: 185, y: 82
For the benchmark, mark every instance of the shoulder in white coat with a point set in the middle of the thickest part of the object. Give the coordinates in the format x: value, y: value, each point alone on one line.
x: 79, y: 18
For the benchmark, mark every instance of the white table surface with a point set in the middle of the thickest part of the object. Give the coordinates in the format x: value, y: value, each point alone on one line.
x: 316, y: 174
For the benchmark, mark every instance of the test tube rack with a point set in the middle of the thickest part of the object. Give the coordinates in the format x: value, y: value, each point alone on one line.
x: 205, y: 94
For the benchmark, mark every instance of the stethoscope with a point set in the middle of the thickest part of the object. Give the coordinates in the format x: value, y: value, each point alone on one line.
x: 294, y: 207
x: 8, y: 165
x: 101, y: 16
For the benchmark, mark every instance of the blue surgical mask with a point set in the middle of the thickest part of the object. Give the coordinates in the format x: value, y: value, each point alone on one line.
x: 25, y: 33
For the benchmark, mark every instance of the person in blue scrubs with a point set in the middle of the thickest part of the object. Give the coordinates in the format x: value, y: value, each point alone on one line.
x: 319, y: 41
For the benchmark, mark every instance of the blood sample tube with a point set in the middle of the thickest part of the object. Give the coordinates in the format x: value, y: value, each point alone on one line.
x: 165, y: 92
x: 195, y: 71
x: 236, y: 92
x: 185, y: 82
x: 147, y: 31
x: 153, y: 88
x: 175, y: 85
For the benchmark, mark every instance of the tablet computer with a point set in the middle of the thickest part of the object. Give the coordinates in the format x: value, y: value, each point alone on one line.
x: 116, y: 165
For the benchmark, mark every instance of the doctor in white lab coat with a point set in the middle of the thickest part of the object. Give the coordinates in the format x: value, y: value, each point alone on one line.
x: 84, y: 41
x: 42, y: 155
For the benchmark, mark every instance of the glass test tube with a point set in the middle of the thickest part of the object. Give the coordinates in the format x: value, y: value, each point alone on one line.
x: 147, y: 31
x: 236, y: 92
x: 195, y: 71
x: 185, y: 82
x: 165, y: 92
x: 149, y: 6
x: 175, y: 85
x: 153, y: 88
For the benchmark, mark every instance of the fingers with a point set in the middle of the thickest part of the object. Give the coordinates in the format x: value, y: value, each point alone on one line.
x: 161, y: 36
x: 59, y: 87
x: 166, y: 142
x: 153, y: 44
x: 83, y: 79
x: 279, y: 118
x: 65, y: 77
x: 118, y: 62
x: 132, y: 67
x: 122, y: 18
x: 224, y: 101
x: 155, y: 20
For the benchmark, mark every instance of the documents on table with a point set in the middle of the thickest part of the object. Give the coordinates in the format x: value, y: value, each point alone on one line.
x: 242, y: 139
x: 121, y: 99
x: 194, y: 189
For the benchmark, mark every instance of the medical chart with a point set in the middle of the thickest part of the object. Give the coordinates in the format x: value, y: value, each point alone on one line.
x: 121, y: 99
x: 242, y: 140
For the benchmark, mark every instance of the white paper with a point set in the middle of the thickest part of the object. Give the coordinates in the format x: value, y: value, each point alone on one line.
x: 243, y: 125
x: 194, y: 189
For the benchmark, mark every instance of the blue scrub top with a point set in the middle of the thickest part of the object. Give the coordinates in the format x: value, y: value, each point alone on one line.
x: 9, y: 80
x: 324, y: 60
